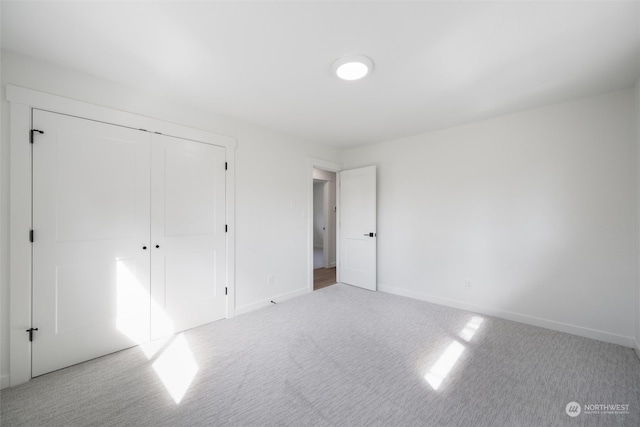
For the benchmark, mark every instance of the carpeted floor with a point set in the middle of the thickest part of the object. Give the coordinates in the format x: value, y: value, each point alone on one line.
x: 343, y: 356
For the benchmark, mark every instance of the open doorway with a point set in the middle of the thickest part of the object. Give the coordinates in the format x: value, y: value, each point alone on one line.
x: 324, y: 228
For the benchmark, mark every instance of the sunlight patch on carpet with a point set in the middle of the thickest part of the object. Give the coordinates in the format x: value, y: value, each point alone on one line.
x: 176, y: 367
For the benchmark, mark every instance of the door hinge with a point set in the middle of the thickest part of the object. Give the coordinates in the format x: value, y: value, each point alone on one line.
x: 225, y: 290
x: 226, y: 228
x: 31, y: 236
x: 226, y: 165
x: 31, y: 134
x: 30, y: 332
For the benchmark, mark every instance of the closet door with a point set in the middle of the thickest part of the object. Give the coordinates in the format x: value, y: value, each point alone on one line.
x: 91, y: 252
x: 187, y: 234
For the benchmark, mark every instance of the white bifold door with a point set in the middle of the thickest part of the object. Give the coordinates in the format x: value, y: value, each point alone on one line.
x: 358, y: 234
x: 129, y: 238
x: 188, y: 263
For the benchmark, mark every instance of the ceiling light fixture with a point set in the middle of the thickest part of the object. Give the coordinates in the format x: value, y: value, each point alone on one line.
x: 352, y: 67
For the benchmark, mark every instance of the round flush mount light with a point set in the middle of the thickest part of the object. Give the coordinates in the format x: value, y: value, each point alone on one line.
x: 352, y: 67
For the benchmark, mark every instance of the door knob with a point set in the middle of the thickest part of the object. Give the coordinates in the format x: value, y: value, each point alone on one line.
x: 157, y: 246
x: 370, y: 234
x: 144, y: 248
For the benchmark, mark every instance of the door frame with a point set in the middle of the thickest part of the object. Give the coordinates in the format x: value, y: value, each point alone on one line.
x: 21, y: 103
x: 331, y: 167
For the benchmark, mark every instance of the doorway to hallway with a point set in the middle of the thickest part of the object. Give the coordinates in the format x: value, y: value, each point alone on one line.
x: 324, y: 228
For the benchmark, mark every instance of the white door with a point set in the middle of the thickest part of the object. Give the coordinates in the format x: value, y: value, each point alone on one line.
x: 357, y: 212
x: 187, y: 234
x: 91, y: 254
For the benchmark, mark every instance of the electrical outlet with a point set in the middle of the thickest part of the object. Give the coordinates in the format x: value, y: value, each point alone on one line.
x: 270, y: 280
x: 467, y: 285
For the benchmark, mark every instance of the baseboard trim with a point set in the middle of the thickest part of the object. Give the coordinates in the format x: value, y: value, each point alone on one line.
x: 247, y: 308
x: 636, y: 348
x: 4, y: 381
x: 516, y: 317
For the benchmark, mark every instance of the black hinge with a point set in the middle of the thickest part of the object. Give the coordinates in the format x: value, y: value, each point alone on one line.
x: 225, y: 290
x: 30, y: 331
x: 31, y: 236
x: 226, y: 228
x: 31, y: 134
x: 226, y: 165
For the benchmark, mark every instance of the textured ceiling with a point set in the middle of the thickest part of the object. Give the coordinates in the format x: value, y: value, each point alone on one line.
x: 437, y: 64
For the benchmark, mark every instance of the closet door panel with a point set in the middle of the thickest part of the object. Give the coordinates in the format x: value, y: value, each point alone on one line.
x: 91, y: 211
x: 188, y: 234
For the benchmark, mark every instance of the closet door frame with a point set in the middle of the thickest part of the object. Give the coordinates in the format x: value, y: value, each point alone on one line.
x: 21, y: 103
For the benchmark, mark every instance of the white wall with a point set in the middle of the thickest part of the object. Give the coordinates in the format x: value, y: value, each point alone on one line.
x: 271, y: 182
x: 536, y: 209
x: 271, y: 215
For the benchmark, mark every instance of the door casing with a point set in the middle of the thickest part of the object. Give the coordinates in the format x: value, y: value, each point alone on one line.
x: 332, y: 167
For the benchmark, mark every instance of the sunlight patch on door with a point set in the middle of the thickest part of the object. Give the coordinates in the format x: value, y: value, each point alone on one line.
x: 176, y: 367
x: 135, y: 308
x: 133, y: 314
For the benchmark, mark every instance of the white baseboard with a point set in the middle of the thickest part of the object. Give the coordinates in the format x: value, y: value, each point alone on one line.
x: 636, y: 347
x: 265, y: 302
x: 4, y: 381
x: 516, y: 317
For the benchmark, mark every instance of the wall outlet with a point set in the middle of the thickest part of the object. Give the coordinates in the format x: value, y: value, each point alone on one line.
x: 467, y: 285
x: 270, y: 280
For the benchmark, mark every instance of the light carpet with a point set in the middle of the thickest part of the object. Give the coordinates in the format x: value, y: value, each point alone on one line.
x: 343, y: 356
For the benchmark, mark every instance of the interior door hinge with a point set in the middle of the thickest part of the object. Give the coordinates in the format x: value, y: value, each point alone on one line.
x: 30, y: 332
x: 226, y: 165
x: 225, y: 290
x: 31, y: 134
x: 31, y: 236
x: 226, y: 228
